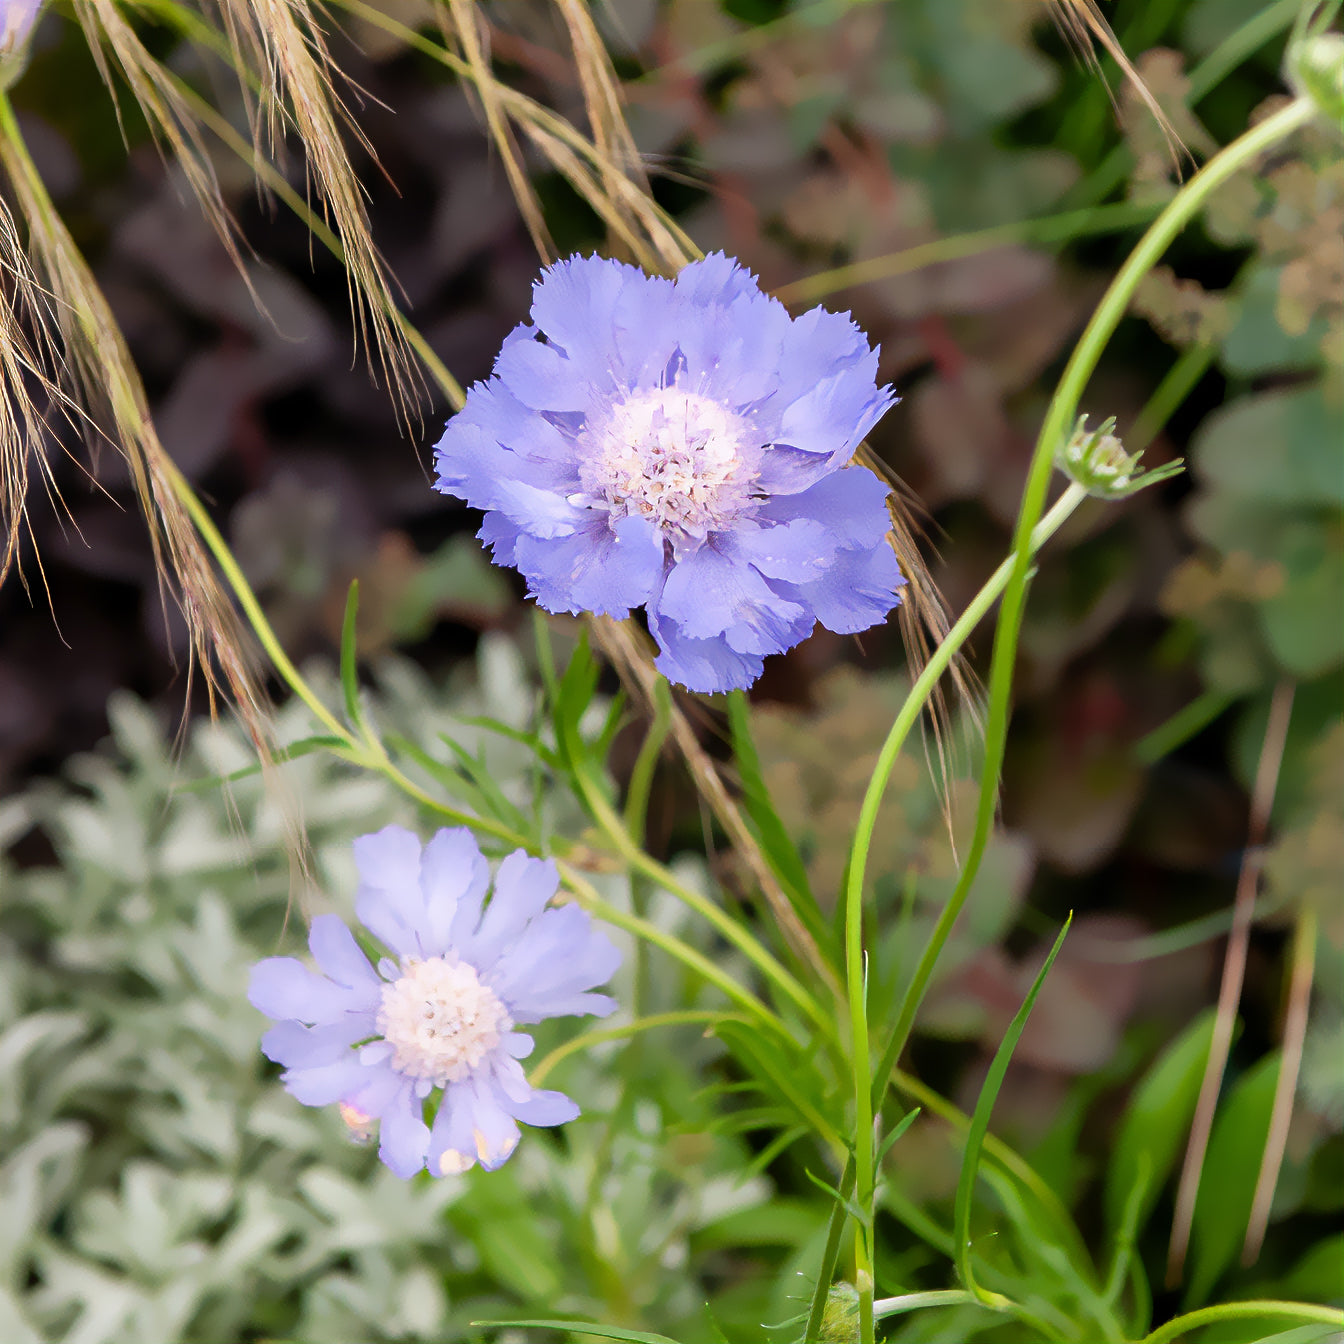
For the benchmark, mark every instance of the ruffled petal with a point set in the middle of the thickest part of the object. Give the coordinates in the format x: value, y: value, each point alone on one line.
x: 296, y: 1046
x: 599, y: 569
x: 716, y: 592
x: 850, y: 505
x: 558, y: 956
x: 856, y: 592
x: 541, y: 377
x: 708, y: 665
x: 452, y: 1147
x: 324, y: 1083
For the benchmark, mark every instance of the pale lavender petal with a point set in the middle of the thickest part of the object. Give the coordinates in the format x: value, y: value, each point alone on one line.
x: 326, y: 1083
x: 403, y: 1134
x: 283, y: 987
x: 334, y: 949
x: 388, y: 901
x: 453, y: 880
x: 523, y: 885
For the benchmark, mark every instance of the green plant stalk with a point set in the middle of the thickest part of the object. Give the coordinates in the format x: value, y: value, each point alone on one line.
x: 578, y: 1044
x: 979, y: 1127
x: 911, y: 709
x: 714, y: 915
x: 1044, y: 229
x: 1059, y: 417
x: 587, y: 895
x: 1307, y: 1312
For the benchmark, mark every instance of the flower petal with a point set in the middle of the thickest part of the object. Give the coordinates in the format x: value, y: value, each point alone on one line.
x: 403, y: 1134
x: 334, y: 948
x: 284, y: 988
x: 452, y: 883
x: 388, y: 902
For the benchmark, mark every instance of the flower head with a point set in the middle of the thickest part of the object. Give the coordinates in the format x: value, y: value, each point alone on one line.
x: 438, y: 1016
x: 677, y: 445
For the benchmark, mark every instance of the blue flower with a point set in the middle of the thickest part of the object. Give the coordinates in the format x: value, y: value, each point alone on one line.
x: 439, y: 1016
x: 679, y: 445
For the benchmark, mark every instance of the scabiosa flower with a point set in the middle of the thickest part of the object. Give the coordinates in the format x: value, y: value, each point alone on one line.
x: 439, y: 1016
x: 678, y: 445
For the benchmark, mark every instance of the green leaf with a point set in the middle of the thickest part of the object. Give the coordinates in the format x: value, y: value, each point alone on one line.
x: 593, y: 1328
x: 1227, y: 1183
x: 1280, y: 447
x: 349, y: 672
x: 1156, y: 1123
x: 776, y: 842
x: 984, y: 1107
x: 305, y: 745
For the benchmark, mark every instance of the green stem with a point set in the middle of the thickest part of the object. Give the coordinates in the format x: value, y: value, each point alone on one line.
x: 624, y: 1031
x: 906, y: 719
x: 1059, y: 418
x: 1060, y: 228
x: 1307, y: 1312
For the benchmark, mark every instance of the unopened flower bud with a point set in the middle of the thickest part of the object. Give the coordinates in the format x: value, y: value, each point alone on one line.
x: 1097, y: 460
x: 1316, y: 71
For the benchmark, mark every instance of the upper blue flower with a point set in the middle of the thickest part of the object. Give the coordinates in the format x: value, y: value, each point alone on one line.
x: 678, y: 445
x: 441, y: 1015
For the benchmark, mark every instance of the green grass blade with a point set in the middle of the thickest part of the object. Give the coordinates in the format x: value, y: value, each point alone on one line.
x: 349, y: 672
x: 975, y: 1136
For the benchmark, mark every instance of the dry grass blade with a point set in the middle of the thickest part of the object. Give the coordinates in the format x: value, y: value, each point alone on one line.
x: 464, y: 22
x: 299, y: 83
x: 1085, y: 29
x: 1290, y: 1066
x: 23, y: 373
x: 95, y: 358
x: 169, y: 119
x: 629, y: 655
x: 619, y: 155
x: 1234, y: 970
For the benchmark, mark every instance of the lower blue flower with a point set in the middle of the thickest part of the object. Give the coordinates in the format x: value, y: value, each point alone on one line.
x: 436, y: 1019
x: 682, y: 446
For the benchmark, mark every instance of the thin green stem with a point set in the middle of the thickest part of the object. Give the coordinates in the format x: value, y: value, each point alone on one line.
x: 906, y: 719
x: 1059, y: 418
x: 1168, y: 396
x: 1307, y: 1312
x: 944, y: 1297
x: 589, y: 898
x: 723, y: 923
x: 624, y: 1031
x: 1181, y: 727
x: 247, y: 599
x: 1060, y: 228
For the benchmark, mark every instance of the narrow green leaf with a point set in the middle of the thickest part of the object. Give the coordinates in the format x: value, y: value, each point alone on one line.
x: 1152, y: 1133
x: 303, y: 747
x: 984, y: 1107
x: 776, y: 842
x: 349, y: 670
x: 1227, y: 1183
x: 593, y: 1328
x: 902, y: 1125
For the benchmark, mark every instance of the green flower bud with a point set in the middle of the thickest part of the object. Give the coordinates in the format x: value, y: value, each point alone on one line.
x: 1097, y: 460
x: 1316, y: 71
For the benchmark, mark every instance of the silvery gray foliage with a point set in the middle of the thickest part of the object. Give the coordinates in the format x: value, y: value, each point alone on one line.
x: 157, y: 1183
